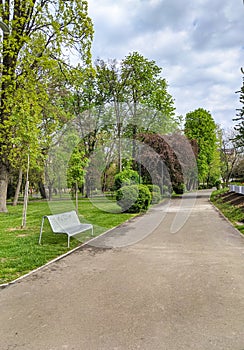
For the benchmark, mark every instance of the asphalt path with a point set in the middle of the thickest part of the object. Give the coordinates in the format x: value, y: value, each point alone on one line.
x: 172, y: 279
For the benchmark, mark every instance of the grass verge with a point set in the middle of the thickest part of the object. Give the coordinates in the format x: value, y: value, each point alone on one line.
x: 19, y: 248
x: 233, y: 213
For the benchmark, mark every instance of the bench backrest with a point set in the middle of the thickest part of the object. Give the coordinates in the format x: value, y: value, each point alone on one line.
x: 60, y: 222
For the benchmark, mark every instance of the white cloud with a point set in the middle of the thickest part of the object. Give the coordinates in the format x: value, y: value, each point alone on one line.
x: 198, y: 44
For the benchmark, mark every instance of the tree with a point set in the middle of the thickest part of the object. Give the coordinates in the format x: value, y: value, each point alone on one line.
x: 200, y: 126
x: 89, y: 110
x: 137, y: 95
x: 112, y: 85
x: 75, y: 171
x: 238, y: 171
x: 144, y: 86
x: 39, y: 33
x: 240, y: 118
x: 229, y: 154
x: 156, y: 115
x: 167, y: 161
x: 103, y: 104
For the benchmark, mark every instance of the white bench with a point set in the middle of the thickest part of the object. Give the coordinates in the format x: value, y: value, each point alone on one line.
x: 67, y: 223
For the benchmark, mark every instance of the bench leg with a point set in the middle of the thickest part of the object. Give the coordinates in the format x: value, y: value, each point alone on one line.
x: 40, y: 237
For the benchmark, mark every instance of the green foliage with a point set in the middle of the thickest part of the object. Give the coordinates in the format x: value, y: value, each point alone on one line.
x: 35, y: 76
x: 132, y: 97
x: 153, y: 188
x: 133, y: 199
x: 166, y: 190
x: 215, y: 195
x: 155, y: 193
x: 218, y: 184
x: 233, y: 212
x: 125, y: 178
x: 156, y: 197
x: 151, y: 106
x: 200, y: 126
x: 63, y: 163
x: 126, y: 197
x: 140, y: 75
x: 77, y: 163
x: 179, y: 188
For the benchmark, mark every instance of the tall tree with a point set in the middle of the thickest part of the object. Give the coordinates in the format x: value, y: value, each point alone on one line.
x: 111, y: 83
x: 200, y: 126
x: 144, y: 86
x: 39, y: 33
x: 168, y: 161
x: 240, y: 118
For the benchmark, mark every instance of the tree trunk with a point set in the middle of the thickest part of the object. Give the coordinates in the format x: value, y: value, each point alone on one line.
x: 26, y: 194
x: 76, y: 198
x: 134, y: 132
x: 25, y: 205
x: 42, y: 190
x: 4, y: 174
x: 16, y: 196
x: 50, y: 192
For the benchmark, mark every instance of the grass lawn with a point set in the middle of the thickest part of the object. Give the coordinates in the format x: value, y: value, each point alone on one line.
x: 231, y: 212
x: 19, y: 248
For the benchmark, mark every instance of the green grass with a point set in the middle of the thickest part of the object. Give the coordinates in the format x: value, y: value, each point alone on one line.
x: 231, y: 212
x: 19, y: 248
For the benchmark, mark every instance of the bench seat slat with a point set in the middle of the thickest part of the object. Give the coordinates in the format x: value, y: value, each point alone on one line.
x: 76, y: 229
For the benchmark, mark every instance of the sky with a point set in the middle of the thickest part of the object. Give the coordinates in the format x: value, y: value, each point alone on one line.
x: 199, y: 45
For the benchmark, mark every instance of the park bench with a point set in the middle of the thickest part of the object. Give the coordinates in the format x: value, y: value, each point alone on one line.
x: 67, y: 223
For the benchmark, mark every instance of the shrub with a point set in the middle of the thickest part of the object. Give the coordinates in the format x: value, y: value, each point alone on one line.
x: 144, y: 198
x: 133, y: 199
x: 153, y: 188
x: 155, y: 193
x: 126, y: 196
x: 179, y: 188
x: 217, y: 184
x: 156, y: 198
x: 125, y: 178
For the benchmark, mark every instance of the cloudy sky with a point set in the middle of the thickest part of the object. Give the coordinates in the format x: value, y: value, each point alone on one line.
x: 199, y: 44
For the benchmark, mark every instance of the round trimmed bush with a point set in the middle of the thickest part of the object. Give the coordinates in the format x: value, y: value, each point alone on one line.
x: 133, y: 199
x: 126, y: 196
x: 155, y: 193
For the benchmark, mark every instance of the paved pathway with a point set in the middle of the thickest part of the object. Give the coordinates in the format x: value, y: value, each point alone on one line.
x: 168, y: 291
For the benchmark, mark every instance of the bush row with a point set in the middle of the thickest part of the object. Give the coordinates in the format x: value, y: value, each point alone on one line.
x: 133, y: 197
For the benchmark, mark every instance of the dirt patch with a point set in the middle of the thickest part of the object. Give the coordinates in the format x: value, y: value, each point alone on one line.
x: 12, y: 229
